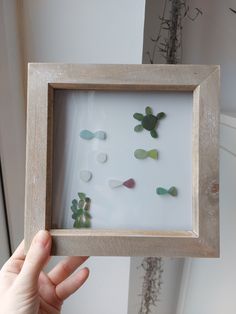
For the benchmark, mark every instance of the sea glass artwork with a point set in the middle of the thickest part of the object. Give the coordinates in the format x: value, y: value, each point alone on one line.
x: 148, y: 121
x: 126, y: 167
x: 143, y: 154
x: 171, y: 191
x: 130, y: 183
x: 85, y: 175
x: 88, y: 135
x: 102, y: 158
x: 80, y: 209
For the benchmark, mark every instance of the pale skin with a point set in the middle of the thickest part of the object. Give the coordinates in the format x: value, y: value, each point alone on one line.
x: 26, y: 289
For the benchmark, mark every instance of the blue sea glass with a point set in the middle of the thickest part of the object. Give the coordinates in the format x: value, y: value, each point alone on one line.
x: 88, y: 135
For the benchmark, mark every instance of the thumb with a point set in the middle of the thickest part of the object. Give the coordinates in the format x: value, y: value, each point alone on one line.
x: 36, y: 258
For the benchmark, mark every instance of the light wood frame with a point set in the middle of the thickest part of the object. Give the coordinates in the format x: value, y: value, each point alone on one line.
x: 202, y: 80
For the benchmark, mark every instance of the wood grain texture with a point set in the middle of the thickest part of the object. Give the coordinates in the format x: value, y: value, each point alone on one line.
x: 209, y: 161
x: 202, y: 80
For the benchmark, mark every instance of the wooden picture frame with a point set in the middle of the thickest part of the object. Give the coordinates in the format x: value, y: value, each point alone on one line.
x: 202, y: 81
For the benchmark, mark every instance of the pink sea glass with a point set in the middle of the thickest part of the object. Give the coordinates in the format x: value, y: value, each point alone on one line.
x: 129, y: 183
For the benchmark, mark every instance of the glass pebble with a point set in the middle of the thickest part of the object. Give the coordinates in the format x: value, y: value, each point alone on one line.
x: 102, y: 157
x: 85, y: 175
x: 130, y: 183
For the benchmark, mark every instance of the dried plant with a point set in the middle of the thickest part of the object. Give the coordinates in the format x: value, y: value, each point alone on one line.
x: 232, y: 10
x: 152, y: 283
x: 168, y: 42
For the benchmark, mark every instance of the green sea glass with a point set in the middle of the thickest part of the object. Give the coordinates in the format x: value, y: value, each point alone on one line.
x: 148, y: 121
x: 143, y: 154
x: 80, y: 209
x: 171, y: 191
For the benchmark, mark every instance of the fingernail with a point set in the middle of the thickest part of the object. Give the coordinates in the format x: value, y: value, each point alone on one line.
x: 42, y: 237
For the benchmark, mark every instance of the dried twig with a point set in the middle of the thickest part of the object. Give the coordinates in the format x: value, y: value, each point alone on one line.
x: 232, y: 10
x: 168, y: 42
x: 152, y: 283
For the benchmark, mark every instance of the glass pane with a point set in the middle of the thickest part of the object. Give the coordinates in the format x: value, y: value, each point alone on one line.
x: 130, y: 177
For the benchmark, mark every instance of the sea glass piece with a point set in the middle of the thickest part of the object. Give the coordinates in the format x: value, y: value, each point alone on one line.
x: 81, y: 195
x: 171, y: 191
x: 161, y: 115
x: 101, y: 135
x: 130, y: 183
x: 154, y: 134
x: 138, y: 128
x: 85, y: 175
x: 142, y: 154
x: 86, y: 135
x: 138, y: 116
x: 115, y: 183
x: 148, y: 110
x: 149, y: 122
x: 102, y: 158
x: 161, y: 191
x: 153, y: 153
x: 81, y: 202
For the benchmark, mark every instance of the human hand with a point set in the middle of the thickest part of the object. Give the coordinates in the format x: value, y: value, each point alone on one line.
x: 26, y: 289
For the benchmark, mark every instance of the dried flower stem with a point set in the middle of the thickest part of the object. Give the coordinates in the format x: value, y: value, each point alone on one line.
x: 152, y: 283
x: 168, y: 42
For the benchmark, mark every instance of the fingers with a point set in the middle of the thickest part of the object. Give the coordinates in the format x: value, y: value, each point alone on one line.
x: 36, y: 258
x: 15, y: 262
x: 65, y: 268
x: 71, y: 284
x: 19, y: 252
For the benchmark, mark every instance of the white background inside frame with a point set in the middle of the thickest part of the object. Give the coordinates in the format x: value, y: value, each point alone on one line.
x: 112, y: 112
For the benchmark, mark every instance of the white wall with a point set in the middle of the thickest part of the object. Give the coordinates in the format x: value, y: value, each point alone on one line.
x: 91, y: 31
x: 106, y: 290
x: 211, y: 39
x: 12, y: 118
